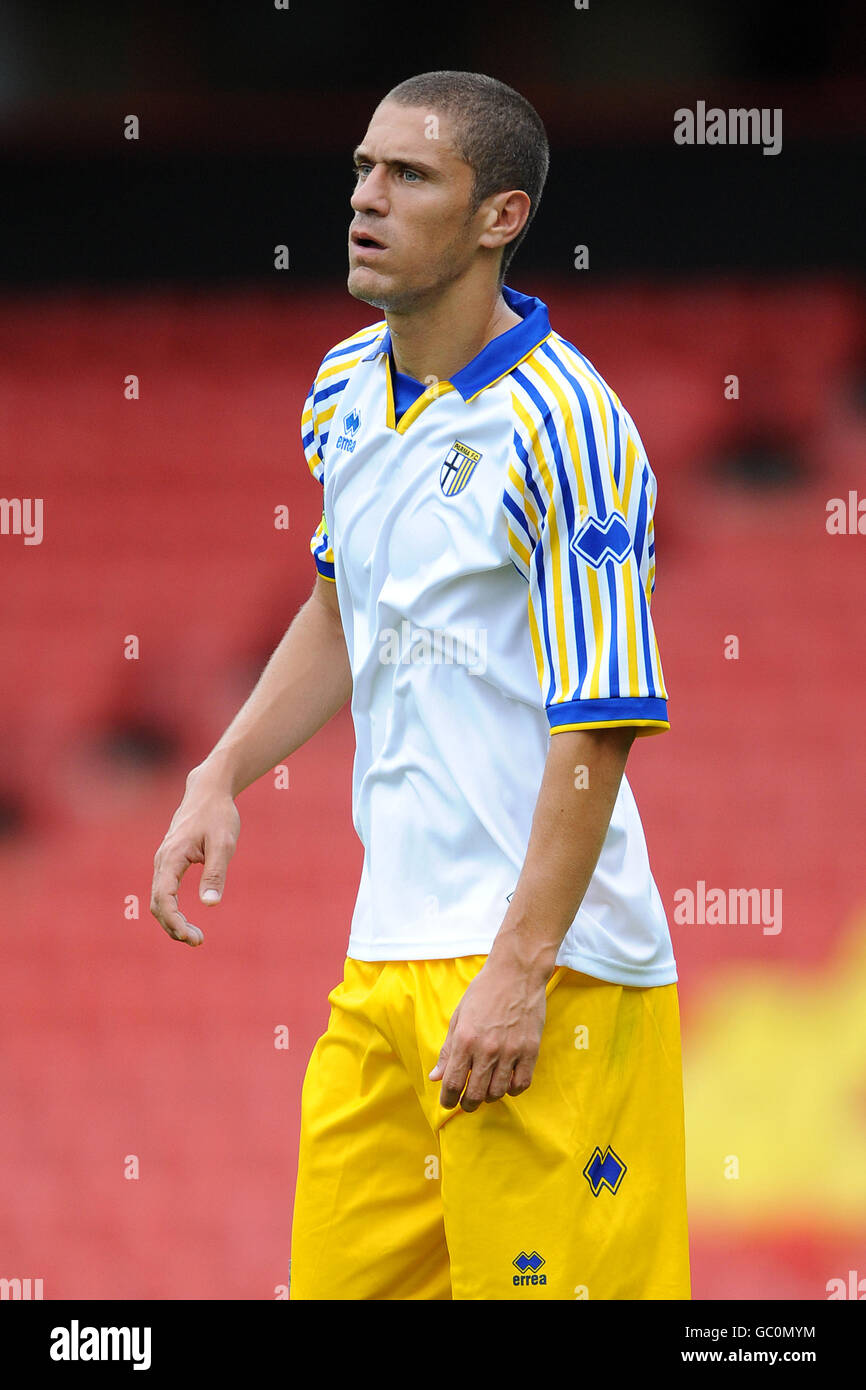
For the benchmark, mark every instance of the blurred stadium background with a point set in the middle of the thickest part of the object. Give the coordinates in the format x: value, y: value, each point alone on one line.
x: 155, y: 258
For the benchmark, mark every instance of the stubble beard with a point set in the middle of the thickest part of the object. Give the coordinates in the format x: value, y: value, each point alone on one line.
x: 400, y: 301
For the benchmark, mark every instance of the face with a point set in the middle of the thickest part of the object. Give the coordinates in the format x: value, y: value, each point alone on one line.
x: 412, y: 233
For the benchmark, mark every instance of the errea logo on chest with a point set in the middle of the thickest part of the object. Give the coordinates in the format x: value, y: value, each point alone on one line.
x: 458, y: 468
x: 351, y: 425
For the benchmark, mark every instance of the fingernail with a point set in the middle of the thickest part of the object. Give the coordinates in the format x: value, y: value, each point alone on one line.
x: 210, y: 895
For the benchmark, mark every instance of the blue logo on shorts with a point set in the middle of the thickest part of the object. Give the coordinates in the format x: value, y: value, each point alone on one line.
x: 529, y: 1265
x: 604, y: 1170
x: 525, y: 1262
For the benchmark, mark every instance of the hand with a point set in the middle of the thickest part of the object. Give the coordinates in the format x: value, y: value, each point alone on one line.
x: 204, y: 830
x: 493, y: 1037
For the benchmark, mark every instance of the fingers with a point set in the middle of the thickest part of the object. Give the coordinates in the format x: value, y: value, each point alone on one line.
x: 476, y: 1088
x: 500, y: 1081
x: 164, y: 908
x: 178, y: 850
x: 474, y: 1083
x: 491, y: 1047
x: 489, y: 1083
x: 521, y: 1078
x: 163, y: 903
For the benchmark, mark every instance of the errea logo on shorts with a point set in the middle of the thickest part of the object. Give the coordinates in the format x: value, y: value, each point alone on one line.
x: 604, y: 1170
x: 529, y: 1265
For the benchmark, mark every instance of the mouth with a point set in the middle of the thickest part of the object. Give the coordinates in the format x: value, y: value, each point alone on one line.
x: 362, y: 241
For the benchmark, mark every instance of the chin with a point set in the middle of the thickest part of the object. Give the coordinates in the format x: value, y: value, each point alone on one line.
x: 367, y: 285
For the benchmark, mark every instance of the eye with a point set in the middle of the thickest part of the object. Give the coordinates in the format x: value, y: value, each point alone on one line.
x: 359, y: 171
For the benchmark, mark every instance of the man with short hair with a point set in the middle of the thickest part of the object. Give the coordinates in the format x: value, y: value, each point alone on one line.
x: 495, y: 1110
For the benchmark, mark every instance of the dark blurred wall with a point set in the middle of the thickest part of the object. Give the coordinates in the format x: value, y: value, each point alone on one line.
x: 248, y: 114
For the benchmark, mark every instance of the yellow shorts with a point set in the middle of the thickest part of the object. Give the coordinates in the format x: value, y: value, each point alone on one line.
x: 574, y: 1189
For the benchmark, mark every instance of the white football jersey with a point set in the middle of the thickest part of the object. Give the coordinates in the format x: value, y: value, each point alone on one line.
x: 494, y: 561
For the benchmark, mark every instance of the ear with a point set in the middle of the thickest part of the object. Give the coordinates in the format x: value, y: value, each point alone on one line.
x: 505, y: 216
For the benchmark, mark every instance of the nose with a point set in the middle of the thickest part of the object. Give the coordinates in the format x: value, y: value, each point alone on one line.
x: 370, y: 193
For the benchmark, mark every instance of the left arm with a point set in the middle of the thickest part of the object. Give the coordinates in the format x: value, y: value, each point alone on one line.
x: 495, y: 1031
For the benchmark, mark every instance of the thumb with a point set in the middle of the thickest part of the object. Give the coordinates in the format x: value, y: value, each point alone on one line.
x: 218, y: 848
x: 213, y: 880
x: 439, y: 1070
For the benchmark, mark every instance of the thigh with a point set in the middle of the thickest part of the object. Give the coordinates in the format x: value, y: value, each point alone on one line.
x: 576, y: 1189
x: 367, y: 1218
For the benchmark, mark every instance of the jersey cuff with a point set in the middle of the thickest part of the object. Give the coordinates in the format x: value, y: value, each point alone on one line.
x: 325, y: 568
x: 649, y: 713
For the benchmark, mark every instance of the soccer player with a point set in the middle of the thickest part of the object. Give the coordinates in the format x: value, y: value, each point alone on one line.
x: 495, y: 1110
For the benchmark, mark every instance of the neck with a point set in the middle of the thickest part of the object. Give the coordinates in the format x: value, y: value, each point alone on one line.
x: 436, y: 338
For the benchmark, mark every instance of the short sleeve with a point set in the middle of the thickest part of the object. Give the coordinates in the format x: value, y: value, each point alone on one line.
x: 320, y: 541
x: 579, y: 505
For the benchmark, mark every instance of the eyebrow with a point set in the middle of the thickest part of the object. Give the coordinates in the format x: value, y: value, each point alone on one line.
x: 360, y: 155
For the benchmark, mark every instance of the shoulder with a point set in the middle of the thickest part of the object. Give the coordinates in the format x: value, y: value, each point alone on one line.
x: 556, y: 379
x: 332, y: 376
x: 563, y: 407
x: 339, y: 361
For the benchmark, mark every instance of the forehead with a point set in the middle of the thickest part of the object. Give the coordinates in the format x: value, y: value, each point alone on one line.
x: 411, y: 134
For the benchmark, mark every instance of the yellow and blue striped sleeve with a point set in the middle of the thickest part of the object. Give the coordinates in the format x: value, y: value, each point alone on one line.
x: 579, y: 502
x: 311, y: 440
x: 319, y: 411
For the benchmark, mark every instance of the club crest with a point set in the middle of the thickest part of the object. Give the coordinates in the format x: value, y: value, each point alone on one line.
x: 458, y: 468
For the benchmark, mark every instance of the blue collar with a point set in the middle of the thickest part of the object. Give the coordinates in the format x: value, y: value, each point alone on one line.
x: 502, y: 354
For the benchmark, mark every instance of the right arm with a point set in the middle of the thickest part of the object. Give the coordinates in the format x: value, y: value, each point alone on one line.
x: 306, y: 681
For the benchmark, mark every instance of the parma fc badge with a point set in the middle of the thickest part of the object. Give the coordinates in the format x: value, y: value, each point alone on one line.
x: 458, y: 468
